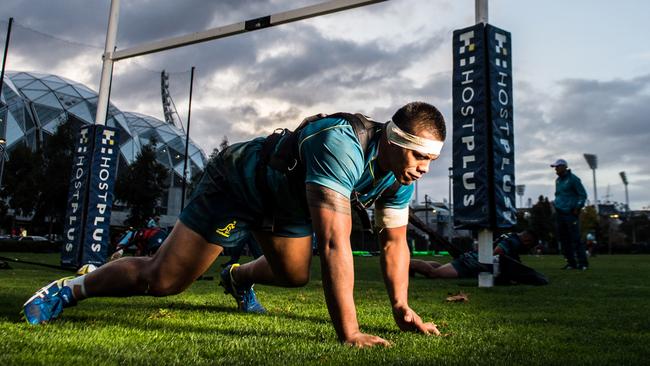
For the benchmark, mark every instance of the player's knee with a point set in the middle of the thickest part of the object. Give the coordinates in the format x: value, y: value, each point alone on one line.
x: 296, y: 279
x: 161, y: 283
x: 164, y: 288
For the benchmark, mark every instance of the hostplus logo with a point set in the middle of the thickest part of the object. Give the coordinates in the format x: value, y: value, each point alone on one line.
x: 83, y: 141
x: 467, y: 82
x: 502, y: 116
x: 103, y: 180
x: 467, y: 47
x: 501, y: 50
x: 80, y: 172
x: 108, y: 138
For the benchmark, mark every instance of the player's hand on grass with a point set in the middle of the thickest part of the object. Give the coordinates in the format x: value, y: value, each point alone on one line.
x: 409, y: 320
x: 363, y: 340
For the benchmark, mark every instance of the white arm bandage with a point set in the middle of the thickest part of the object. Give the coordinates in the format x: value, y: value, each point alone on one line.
x: 386, y: 218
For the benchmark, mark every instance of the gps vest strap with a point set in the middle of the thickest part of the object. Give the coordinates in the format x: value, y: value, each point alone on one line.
x: 286, y: 159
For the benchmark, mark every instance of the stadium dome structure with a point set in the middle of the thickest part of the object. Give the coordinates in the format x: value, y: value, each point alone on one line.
x: 38, y: 103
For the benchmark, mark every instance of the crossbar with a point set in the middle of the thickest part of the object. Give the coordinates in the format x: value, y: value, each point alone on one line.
x: 240, y: 27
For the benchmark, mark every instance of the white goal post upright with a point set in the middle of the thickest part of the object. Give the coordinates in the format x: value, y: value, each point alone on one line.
x: 111, y: 55
x: 481, y: 11
x: 107, y: 64
x: 485, y: 237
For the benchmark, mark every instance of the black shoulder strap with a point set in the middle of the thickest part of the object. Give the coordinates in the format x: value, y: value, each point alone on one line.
x: 364, y: 128
x: 260, y: 171
x: 286, y: 158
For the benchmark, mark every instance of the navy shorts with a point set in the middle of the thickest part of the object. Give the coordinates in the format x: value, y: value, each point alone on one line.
x: 468, y: 266
x: 216, y: 214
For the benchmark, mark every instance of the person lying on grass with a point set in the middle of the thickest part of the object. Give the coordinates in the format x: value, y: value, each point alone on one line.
x: 511, y: 270
x: 281, y: 188
x: 146, y: 241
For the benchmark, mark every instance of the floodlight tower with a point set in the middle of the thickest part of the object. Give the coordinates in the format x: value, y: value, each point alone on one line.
x: 521, y: 189
x: 627, y: 198
x: 592, y: 160
x: 426, y: 208
x: 169, y: 107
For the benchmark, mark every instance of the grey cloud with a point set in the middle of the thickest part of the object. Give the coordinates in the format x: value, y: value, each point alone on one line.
x: 439, y: 86
x: 139, y: 21
x: 146, y: 21
x: 329, y: 66
x: 596, y: 112
x: 40, y: 50
x: 78, y: 20
x: 608, y: 118
x: 327, y: 69
x: 336, y: 64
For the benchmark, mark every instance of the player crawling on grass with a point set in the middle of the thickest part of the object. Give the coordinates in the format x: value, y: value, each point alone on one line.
x: 508, y: 247
x: 281, y: 188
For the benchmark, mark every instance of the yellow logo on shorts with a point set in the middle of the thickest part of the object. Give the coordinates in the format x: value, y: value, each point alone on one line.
x: 225, y: 231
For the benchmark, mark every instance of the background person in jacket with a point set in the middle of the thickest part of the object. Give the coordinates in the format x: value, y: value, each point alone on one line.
x: 570, y: 197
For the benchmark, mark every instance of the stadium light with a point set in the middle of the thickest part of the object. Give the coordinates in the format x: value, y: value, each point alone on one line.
x: 627, y: 198
x: 592, y: 160
x: 521, y: 189
x: 426, y: 208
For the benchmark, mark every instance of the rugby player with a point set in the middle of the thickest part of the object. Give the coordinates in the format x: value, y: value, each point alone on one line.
x: 282, y: 188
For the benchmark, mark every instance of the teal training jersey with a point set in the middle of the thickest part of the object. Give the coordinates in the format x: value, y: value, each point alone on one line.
x: 332, y: 157
x: 570, y: 194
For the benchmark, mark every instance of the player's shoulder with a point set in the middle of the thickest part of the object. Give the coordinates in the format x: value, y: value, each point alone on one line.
x: 332, y: 134
x: 326, y: 125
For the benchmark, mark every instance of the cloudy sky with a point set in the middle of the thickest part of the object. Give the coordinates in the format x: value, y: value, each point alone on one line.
x: 581, y: 71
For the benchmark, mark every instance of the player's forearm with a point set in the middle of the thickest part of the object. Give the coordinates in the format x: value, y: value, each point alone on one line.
x: 395, y: 264
x: 332, y: 222
x: 338, y: 284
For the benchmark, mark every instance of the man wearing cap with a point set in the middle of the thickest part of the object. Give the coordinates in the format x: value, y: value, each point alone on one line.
x: 282, y: 188
x: 570, y: 197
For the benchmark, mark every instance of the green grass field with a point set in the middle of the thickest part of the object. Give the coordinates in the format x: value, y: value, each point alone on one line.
x: 601, y: 316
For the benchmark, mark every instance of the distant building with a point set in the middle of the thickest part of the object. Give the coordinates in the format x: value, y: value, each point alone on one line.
x: 38, y: 103
x: 436, y: 215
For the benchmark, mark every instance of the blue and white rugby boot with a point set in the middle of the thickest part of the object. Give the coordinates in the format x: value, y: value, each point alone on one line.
x: 48, y: 302
x: 244, y: 295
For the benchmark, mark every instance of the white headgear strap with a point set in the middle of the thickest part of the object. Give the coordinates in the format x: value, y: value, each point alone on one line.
x: 412, y: 142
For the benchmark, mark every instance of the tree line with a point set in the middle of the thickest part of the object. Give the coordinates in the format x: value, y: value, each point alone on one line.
x: 625, y: 233
x: 36, y: 183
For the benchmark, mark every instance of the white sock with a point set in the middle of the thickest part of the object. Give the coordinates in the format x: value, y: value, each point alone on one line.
x: 78, y: 284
